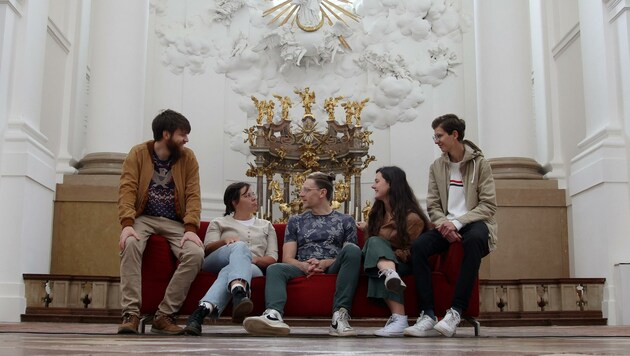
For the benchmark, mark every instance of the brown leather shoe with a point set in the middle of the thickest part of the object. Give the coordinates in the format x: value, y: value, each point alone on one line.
x: 165, y: 324
x: 129, y: 324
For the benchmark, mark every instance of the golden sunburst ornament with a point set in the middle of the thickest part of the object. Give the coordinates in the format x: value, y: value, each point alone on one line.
x: 310, y: 15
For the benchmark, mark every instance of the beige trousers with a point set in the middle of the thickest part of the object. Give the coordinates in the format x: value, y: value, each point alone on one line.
x: 190, y: 259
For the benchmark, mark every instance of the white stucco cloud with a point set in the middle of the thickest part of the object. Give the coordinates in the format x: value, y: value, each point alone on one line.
x: 398, y: 47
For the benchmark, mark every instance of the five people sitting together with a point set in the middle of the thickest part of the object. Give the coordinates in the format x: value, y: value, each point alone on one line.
x: 160, y: 194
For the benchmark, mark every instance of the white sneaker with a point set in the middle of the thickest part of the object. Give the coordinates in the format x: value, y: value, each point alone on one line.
x: 393, y: 283
x: 268, y: 324
x: 394, y: 326
x: 423, y: 327
x: 448, y: 325
x: 340, y: 325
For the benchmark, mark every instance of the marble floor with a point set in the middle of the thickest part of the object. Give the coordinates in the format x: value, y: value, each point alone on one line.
x: 38, y: 338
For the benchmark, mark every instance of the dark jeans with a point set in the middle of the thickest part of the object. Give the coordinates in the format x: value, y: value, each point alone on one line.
x: 475, y: 242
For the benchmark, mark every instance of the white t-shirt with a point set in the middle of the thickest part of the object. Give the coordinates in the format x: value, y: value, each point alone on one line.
x: 456, y: 196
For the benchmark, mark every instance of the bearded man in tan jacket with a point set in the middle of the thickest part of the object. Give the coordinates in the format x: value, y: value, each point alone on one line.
x: 159, y: 194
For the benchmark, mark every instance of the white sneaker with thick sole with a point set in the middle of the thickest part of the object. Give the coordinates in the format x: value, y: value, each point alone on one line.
x: 268, y: 324
x: 448, y: 325
x: 394, y: 327
x: 423, y: 327
x: 393, y: 282
x: 340, y: 325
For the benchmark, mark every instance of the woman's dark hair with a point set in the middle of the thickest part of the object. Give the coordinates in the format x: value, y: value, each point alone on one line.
x: 450, y: 123
x: 170, y: 121
x: 233, y: 194
x: 323, y: 181
x: 402, y: 201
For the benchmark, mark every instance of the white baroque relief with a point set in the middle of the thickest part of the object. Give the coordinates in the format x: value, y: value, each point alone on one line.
x: 397, y: 48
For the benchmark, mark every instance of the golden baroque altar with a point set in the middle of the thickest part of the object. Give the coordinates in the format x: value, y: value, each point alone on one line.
x: 286, y: 152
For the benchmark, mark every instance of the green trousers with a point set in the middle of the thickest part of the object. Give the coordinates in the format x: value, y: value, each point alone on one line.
x: 376, y: 248
x: 347, y: 266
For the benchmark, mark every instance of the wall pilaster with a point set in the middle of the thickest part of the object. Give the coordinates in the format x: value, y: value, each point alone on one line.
x: 27, y: 173
x: 599, y: 173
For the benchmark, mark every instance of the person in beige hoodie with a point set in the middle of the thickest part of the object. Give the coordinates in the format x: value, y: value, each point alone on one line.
x: 461, y: 202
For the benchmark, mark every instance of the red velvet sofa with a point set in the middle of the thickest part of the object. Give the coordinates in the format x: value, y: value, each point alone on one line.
x: 312, y: 297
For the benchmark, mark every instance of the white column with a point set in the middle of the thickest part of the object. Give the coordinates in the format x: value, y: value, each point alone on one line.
x: 75, y: 93
x: 504, y: 70
x: 118, y: 40
x: 598, y: 183
x: 549, y: 151
x: 27, y: 168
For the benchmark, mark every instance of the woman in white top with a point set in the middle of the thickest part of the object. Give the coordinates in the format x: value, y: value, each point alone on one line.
x: 238, y: 246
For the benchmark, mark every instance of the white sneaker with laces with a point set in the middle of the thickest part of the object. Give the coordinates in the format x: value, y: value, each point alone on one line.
x: 394, y: 326
x: 448, y: 325
x: 268, y: 324
x: 423, y: 327
x: 340, y: 325
x: 393, y: 282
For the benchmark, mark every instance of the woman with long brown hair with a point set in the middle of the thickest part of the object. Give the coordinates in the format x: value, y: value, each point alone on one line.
x: 395, y: 220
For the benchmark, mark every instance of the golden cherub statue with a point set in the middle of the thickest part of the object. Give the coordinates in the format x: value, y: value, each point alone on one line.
x: 251, y: 135
x: 260, y: 105
x: 329, y: 105
x: 349, y: 107
x: 269, y: 105
x: 365, y: 138
x: 366, y: 211
x: 358, y: 107
x: 286, y: 104
x: 308, y: 98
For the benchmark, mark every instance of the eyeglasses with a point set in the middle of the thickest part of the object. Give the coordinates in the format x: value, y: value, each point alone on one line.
x: 250, y: 195
x: 306, y: 189
x: 437, y: 137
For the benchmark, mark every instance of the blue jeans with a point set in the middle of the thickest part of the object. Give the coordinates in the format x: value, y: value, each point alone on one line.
x: 231, y: 262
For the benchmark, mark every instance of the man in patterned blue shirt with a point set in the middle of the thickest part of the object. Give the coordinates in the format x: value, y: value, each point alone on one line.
x: 320, y: 240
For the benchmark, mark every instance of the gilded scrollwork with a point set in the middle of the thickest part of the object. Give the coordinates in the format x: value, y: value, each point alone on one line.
x: 276, y: 191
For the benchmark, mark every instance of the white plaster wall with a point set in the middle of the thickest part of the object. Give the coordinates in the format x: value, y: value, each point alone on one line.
x: 565, y: 15
x: 219, y: 107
